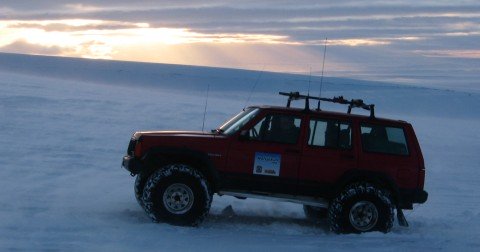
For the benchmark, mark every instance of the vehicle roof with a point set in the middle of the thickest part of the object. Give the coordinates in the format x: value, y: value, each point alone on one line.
x: 329, y: 113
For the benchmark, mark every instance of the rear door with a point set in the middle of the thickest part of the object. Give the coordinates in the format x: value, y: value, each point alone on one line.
x: 266, y: 155
x: 327, y: 154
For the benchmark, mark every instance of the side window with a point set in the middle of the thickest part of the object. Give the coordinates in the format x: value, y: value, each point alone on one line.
x: 390, y: 140
x: 277, y: 128
x: 330, y: 133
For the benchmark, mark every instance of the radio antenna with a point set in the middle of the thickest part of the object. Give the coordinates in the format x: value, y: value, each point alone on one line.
x: 205, y: 110
x: 321, y: 78
x: 254, y: 85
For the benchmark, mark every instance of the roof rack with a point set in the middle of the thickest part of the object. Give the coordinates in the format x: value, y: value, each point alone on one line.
x: 353, y: 103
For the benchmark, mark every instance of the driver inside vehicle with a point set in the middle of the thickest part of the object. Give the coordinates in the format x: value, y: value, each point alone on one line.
x: 283, y: 129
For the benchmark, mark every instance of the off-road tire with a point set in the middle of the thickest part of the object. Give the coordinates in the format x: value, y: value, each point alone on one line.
x: 140, y: 181
x: 177, y: 194
x: 340, y: 211
x: 315, y: 214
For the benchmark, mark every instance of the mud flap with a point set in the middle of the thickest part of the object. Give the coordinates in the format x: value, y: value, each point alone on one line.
x: 402, y: 221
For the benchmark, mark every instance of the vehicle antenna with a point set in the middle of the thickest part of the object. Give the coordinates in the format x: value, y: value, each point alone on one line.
x: 309, y: 80
x: 205, y: 111
x: 254, y: 85
x: 321, y: 78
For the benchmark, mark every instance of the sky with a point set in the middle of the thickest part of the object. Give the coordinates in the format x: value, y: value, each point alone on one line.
x: 416, y: 42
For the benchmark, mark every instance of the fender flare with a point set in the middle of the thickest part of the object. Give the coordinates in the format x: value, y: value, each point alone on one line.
x: 374, y: 177
x: 160, y: 156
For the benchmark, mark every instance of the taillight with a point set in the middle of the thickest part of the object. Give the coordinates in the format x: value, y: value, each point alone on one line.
x: 421, y: 172
x: 421, y: 178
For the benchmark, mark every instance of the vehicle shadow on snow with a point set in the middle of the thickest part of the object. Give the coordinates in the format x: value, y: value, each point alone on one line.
x: 229, y: 217
x: 135, y: 216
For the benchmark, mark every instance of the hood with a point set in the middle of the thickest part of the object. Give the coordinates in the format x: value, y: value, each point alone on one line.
x: 173, y: 133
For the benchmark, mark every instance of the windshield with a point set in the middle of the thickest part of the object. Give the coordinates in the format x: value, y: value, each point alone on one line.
x: 238, y: 121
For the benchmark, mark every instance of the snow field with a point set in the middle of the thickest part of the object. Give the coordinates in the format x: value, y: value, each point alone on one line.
x: 63, y: 188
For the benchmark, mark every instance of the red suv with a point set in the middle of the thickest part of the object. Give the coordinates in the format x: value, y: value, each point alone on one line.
x: 354, y: 169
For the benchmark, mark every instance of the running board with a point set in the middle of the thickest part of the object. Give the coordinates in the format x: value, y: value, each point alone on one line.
x: 305, y: 200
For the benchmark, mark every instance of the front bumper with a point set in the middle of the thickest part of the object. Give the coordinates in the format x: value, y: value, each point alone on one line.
x: 131, y: 164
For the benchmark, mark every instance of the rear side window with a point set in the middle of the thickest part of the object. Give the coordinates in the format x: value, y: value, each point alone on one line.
x: 330, y: 133
x: 382, y: 139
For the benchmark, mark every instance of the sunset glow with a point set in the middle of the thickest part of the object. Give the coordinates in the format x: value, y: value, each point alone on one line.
x: 101, y: 39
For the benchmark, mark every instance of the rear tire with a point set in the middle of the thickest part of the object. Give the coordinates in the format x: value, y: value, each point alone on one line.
x: 361, y: 207
x: 177, y: 194
x: 315, y: 214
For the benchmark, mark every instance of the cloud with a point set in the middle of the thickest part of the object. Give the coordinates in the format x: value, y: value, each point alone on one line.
x: 65, y: 26
x: 87, y: 49
x: 351, y: 42
x: 467, y: 54
x: 303, y: 20
x: 392, y: 40
x: 22, y: 46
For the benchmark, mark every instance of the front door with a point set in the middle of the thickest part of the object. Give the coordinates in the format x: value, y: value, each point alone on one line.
x: 266, y: 155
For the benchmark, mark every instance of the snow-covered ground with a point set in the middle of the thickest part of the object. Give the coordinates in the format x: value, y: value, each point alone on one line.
x: 65, y: 125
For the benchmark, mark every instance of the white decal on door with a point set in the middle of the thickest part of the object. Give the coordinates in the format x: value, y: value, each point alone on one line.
x: 267, y: 164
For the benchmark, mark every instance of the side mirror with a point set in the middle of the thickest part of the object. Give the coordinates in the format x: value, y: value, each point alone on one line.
x: 244, y: 135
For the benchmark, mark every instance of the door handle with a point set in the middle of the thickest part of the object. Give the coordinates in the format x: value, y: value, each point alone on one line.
x: 347, y: 156
x: 292, y: 150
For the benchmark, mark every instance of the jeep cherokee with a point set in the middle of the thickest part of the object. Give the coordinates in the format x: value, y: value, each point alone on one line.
x: 356, y: 170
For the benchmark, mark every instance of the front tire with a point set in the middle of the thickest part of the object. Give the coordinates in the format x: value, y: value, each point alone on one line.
x: 361, y: 207
x: 177, y: 194
x: 140, y: 181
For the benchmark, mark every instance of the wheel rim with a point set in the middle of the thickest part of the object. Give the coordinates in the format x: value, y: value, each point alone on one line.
x: 178, y: 198
x: 363, y: 215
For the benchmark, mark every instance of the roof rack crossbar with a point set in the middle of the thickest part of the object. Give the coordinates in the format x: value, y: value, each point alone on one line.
x: 353, y: 103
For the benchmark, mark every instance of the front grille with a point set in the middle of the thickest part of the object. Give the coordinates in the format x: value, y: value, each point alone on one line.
x: 131, y: 147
